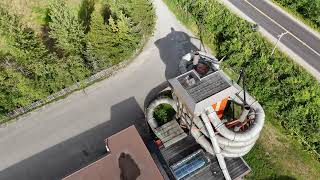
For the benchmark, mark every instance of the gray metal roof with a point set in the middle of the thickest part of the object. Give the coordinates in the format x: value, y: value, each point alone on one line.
x: 207, y: 87
x: 199, y: 93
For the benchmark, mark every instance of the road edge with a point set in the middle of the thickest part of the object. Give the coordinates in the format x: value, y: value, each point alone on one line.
x: 290, y: 16
x: 283, y: 48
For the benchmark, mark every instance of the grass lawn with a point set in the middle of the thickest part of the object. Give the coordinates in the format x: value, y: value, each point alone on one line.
x: 278, y: 156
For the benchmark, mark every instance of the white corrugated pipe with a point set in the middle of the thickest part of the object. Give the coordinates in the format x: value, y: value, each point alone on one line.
x: 202, y: 140
x: 234, y: 144
x: 216, y: 147
x: 164, y: 100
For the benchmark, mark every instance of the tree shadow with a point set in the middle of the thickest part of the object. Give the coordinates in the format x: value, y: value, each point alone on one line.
x: 49, y: 42
x: 172, y: 48
x: 129, y: 170
x: 69, y: 156
x: 85, y: 12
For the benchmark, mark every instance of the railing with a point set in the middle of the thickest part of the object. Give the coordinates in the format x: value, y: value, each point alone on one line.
x: 76, y: 86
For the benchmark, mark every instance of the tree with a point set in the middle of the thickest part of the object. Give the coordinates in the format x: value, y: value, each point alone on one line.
x: 97, y: 42
x: 141, y: 12
x: 15, y: 89
x: 85, y: 12
x: 65, y: 28
x: 23, y: 44
x: 68, y: 32
x: 34, y: 61
x: 112, y: 41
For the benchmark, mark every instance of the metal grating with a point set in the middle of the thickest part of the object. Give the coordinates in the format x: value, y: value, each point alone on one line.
x: 236, y: 166
x: 207, y: 87
x: 183, y: 148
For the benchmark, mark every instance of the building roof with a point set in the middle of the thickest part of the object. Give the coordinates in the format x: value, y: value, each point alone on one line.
x: 199, y: 93
x: 128, y: 159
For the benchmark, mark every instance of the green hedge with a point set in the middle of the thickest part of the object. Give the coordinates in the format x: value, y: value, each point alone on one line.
x: 289, y: 95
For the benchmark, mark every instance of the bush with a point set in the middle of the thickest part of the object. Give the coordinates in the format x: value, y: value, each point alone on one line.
x: 290, y: 96
x: 164, y: 113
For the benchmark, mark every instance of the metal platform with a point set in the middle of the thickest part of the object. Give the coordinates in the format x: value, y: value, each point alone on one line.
x: 237, y: 167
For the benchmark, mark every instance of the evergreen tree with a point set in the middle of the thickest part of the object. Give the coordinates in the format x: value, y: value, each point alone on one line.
x: 68, y: 32
x: 34, y: 61
x: 124, y: 40
x: 85, y: 12
x: 22, y: 43
x: 112, y: 41
x: 141, y: 12
x: 97, y: 42
x: 65, y: 28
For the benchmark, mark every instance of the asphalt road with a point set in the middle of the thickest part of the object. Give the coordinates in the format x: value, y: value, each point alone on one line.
x: 64, y: 136
x: 299, y: 40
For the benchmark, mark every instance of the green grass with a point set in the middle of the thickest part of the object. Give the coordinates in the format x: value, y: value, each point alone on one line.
x: 276, y: 155
x: 261, y: 163
x: 33, y: 12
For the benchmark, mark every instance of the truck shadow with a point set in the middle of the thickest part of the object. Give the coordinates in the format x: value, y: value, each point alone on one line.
x: 71, y: 155
x: 172, y: 48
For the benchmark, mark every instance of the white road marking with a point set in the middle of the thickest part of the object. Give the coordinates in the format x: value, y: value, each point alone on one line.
x: 282, y: 27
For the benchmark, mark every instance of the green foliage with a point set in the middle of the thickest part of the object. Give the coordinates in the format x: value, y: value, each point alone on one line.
x: 65, y: 28
x: 85, y: 12
x: 15, y: 89
x: 308, y: 9
x: 164, y: 113
x: 141, y: 12
x: 286, y: 91
x: 30, y: 70
x: 110, y: 41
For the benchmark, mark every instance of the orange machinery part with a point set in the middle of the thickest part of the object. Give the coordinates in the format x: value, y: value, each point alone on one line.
x: 220, y: 106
